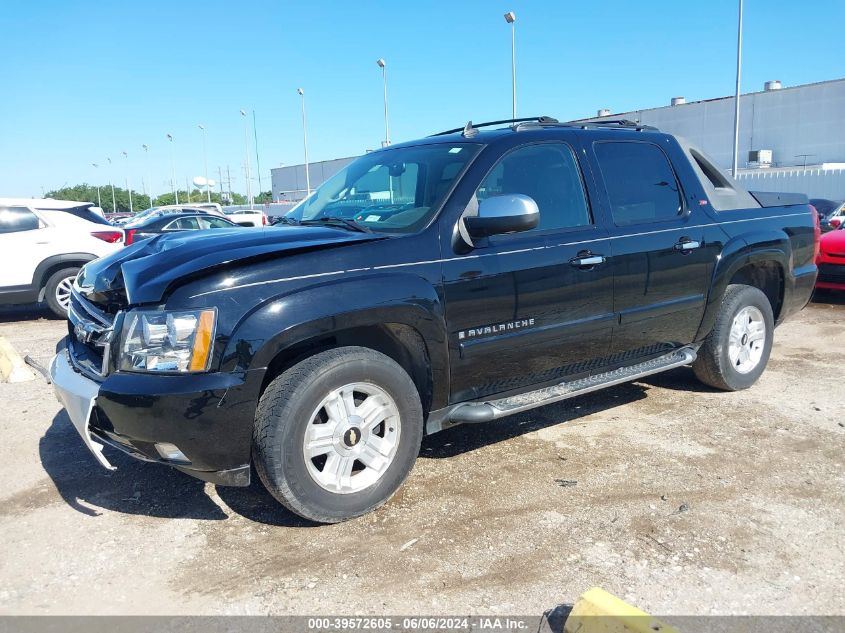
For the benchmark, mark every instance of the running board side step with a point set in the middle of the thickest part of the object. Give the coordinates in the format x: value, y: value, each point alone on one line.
x: 474, y: 412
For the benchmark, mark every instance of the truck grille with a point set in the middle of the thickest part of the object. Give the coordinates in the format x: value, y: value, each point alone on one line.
x: 91, y: 336
x: 832, y: 273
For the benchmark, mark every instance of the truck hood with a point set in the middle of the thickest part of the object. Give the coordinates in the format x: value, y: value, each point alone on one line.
x: 142, y: 272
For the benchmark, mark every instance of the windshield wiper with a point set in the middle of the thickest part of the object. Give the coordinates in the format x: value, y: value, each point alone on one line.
x: 332, y: 219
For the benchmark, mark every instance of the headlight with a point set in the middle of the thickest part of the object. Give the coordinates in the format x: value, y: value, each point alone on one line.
x: 167, y: 341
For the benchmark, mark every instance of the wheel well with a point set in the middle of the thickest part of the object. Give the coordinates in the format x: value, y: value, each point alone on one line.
x: 768, y: 277
x: 400, y: 342
x: 42, y: 276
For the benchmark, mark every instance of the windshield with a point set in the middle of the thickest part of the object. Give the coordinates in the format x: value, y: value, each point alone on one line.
x: 392, y: 191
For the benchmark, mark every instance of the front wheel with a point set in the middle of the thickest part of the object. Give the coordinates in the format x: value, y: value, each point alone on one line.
x: 336, y: 434
x: 737, y: 349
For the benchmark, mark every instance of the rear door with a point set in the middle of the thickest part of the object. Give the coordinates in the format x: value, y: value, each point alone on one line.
x: 661, y: 262
x: 532, y: 307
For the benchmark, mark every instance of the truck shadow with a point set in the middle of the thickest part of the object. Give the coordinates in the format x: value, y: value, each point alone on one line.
x: 158, y: 491
x: 29, y: 312
x: 469, y: 437
x: 142, y: 488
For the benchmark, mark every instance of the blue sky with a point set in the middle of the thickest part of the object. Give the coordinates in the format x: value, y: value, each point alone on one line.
x: 87, y: 80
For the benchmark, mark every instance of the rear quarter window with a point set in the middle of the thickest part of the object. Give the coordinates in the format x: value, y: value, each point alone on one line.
x: 641, y: 185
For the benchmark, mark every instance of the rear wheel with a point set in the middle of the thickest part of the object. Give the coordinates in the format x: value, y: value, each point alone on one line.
x: 57, y: 290
x: 736, y: 351
x: 336, y: 434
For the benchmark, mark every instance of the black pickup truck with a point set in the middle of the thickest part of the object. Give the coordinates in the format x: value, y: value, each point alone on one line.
x: 456, y: 279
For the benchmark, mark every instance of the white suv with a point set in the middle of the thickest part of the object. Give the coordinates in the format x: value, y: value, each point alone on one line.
x: 44, y: 243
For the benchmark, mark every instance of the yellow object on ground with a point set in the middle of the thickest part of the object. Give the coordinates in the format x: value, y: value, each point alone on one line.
x: 597, y: 611
x: 12, y: 367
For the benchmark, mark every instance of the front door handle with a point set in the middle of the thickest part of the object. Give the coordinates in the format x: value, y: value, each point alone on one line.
x: 685, y: 244
x: 587, y: 260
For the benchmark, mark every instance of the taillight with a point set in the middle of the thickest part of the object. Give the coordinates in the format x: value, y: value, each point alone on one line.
x: 130, y: 236
x: 112, y: 237
x: 817, y: 233
x: 263, y: 220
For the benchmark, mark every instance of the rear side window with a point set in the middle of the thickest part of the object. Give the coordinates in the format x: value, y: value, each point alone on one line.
x: 640, y: 182
x: 549, y: 174
x: 17, y: 219
x: 212, y: 222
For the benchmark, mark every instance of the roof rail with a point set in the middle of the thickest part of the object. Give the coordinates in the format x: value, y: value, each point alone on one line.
x: 620, y: 123
x: 469, y: 130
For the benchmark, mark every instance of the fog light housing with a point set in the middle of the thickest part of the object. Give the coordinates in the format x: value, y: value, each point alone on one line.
x: 171, y: 452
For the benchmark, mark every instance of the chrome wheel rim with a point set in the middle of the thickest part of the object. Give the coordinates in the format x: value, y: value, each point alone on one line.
x: 352, y: 438
x: 63, y: 290
x: 747, y: 339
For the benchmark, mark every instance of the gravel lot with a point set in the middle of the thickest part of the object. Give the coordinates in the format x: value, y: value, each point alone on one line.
x: 677, y: 498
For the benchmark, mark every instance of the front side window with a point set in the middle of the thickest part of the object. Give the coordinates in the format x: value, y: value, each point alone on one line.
x: 549, y: 174
x: 17, y: 219
x: 183, y: 224
x: 395, y: 190
x: 640, y: 183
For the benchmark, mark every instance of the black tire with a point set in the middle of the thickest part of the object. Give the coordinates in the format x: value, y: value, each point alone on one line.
x: 713, y: 366
x: 284, y: 414
x: 53, y: 284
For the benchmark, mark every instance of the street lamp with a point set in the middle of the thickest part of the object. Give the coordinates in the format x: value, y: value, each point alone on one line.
x: 205, y: 160
x: 128, y: 185
x: 246, y: 153
x: 510, y: 18
x: 301, y: 93
x: 111, y: 184
x: 383, y: 65
x: 736, y: 96
x: 173, y: 168
x: 95, y: 166
x: 149, y: 186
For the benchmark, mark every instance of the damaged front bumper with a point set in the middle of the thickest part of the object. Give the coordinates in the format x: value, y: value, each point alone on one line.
x: 209, y: 417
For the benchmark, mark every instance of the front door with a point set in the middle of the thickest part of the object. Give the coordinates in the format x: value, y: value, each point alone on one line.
x: 532, y: 307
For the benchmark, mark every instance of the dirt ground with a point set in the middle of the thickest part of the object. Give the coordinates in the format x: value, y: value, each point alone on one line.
x: 677, y: 498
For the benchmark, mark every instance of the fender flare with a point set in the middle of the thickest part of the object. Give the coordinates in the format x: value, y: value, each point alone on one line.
x: 738, y: 252
x: 376, y: 299
x: 39, y: 277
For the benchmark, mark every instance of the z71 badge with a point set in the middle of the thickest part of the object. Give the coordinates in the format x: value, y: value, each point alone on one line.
x: 498, y: 328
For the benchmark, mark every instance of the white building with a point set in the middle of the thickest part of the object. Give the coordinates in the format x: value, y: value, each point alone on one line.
x: 797, y: 134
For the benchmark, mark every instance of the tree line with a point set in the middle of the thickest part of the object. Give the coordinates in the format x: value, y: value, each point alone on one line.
x: 141, y: 201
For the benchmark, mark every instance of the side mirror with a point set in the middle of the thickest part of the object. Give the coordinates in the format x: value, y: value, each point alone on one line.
x: 508, y: 213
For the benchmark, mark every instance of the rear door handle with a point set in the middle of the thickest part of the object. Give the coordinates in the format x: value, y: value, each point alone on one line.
x: 686, y: 244
x: 587, y: 260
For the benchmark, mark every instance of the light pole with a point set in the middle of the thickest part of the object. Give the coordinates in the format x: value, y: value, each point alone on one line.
x: 383, y: 65
x: 246, y: 153
x: 510, y: 18
x: 736, y: 97
x: 205, y: 160
x: 128, y: 185
x: 257, y: 160
x: 173, y: 168
x: 149, y: 187
x: 111, y: 184
x: 95, y: 166
x: 301, y: 93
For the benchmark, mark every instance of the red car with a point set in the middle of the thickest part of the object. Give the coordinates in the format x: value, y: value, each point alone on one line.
x: 831, y: 260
